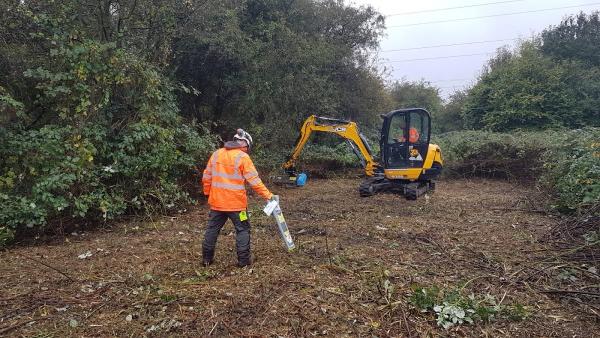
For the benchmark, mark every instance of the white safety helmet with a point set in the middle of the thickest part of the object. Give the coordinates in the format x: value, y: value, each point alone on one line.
x: 243, y: 135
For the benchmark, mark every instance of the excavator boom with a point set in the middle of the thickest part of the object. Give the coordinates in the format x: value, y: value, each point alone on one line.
x: 346, y: 129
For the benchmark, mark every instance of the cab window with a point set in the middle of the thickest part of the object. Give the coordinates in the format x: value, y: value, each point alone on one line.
x: 397, y: 129
x: 419, y: 128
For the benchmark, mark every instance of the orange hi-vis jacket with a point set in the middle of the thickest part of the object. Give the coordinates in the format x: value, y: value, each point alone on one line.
x: 224, y: 177
x: 413, y: 136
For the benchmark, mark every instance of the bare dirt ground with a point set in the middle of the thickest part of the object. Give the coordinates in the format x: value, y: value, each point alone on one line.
x: 144, y: 278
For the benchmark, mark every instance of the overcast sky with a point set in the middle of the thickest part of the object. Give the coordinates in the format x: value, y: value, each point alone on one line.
x: 414, y: 26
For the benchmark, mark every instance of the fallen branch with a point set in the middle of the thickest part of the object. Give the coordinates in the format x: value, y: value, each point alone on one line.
x: 406, y: 324
x: 539, y: 211
x: 14, y: 297
x: 213, y: 328
x: 48, y: 266
x: 21, y: 323
x: 592, y: 294
x: 240, y: 333
x: 101, y: 306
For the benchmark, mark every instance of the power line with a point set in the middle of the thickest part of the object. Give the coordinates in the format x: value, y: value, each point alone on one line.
x: 441, y: 81
x: 448, y: 45
x: 494, y: 15
x: 450, y: 8
x: 461, y: 87
x: 449, y: 80
x: 437, y: 58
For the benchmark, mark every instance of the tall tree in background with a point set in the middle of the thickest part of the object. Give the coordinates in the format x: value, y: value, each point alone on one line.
x: 575, y: 38
x: 525, y: 91
x: 417, y: 94
x: 575, y: 43
x: 271, y: 63
x: 450, y: 117
x: 529, y: 90
x: 256, y: 63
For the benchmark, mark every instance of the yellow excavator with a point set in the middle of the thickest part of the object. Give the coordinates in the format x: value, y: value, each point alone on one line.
x: 407, y: 164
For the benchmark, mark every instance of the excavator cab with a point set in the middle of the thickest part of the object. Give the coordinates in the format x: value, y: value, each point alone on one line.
x: 404, y: 138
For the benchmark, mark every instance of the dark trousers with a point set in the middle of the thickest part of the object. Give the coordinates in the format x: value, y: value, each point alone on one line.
x: 216, y: 220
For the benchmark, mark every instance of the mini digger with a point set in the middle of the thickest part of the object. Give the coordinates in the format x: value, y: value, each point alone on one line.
x: 407, y: 163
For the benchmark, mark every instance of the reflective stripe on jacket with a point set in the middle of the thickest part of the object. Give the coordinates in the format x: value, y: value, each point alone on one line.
x: 224, y: 177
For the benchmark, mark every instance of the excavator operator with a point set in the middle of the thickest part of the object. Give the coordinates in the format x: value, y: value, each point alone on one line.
x: 223, y: 182
x: 413, y: 136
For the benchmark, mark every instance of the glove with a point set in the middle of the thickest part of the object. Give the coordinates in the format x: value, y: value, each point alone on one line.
x: 274, y: 198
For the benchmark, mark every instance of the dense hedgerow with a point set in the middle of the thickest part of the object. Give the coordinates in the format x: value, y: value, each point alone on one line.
x: 572, y: 170
x: 566, y: 162
x: 102, y: 139
x: 481, y: 153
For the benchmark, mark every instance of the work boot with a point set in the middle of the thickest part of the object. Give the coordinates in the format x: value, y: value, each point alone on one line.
x: 244, y: 263
x: 207, y: 257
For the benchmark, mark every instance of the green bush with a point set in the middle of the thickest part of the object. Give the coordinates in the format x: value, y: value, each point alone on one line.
x: 6, y: 236
x: 489, y: 154
x: 572, y: 170
x: 108, y: 141
x: 566, y: 163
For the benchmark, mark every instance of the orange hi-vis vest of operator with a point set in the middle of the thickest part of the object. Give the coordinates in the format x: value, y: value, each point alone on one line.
x: 413, y: 136
x: 224, y: 177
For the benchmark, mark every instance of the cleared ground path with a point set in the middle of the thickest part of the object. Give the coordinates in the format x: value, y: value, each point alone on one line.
x: 358, y: 263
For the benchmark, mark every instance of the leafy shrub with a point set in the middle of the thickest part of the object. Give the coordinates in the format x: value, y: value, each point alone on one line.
x: 572, y: 170
x: 108, y: 141
x: 488, y: 154
x: 6, y: 236
x: 566, y: 163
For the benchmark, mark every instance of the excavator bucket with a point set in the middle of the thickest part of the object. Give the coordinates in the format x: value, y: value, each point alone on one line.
x: 290, y: 179
x: 284, y: 180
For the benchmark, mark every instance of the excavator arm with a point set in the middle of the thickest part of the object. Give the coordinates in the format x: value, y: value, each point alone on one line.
x: 346, y: 129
